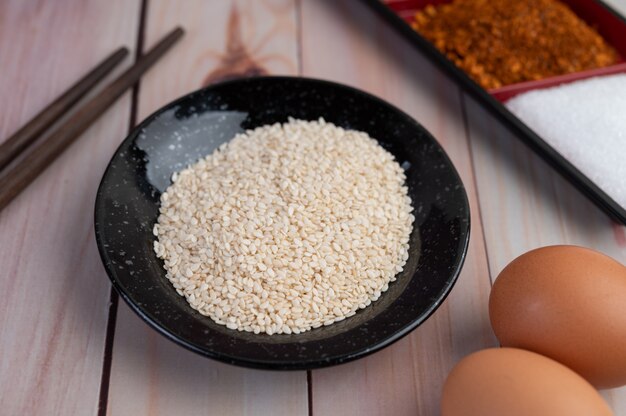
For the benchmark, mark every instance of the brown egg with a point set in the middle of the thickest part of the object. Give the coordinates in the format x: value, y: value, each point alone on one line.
x: 567, y: 303
x: 514, y: 382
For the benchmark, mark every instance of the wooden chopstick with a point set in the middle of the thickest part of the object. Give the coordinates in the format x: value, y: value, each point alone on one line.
x: 19, y: 175
x: 46, y: 117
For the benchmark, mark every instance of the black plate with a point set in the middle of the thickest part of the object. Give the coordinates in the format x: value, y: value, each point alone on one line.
x: 191, y: 127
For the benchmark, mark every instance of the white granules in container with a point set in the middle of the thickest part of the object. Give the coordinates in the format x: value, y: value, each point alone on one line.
x: 585, y: 121
x: 286, y: 227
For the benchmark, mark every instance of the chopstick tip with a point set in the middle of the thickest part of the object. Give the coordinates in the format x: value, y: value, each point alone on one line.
x: 178, y: 31
x: 121, y: 52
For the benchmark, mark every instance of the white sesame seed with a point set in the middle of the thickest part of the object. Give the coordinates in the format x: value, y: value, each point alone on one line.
x: 263, y: 237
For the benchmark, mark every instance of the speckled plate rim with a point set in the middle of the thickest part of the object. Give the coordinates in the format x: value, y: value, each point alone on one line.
x: 271, y: 365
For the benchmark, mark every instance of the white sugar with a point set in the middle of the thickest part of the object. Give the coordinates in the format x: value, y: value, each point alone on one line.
x: 585, y: 121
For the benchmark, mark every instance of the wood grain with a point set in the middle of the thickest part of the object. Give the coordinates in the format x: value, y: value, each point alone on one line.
x: 27, y: 134
x: 344, y: 41
x: 149, y: 374
x: 266, y: 30
x: 525, y: 204
x: 54, y: 290
x: 17, y: 176
x: 54, y: 309
x: 534, y: 204
x: 153, y: 376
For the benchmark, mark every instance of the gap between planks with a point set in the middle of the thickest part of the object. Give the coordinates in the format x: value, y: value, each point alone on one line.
x: 107, y: 358
x: 464, y: 117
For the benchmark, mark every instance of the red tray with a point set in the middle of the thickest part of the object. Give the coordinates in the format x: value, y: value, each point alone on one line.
x: 610, y: 25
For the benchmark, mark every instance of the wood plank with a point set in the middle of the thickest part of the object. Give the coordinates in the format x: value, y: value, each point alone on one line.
x: 531, y: 206
x: 346, y: 42
x: 224, y: 40
x: 527, y: 205
x: 149, y: 374
x: 55, y: 293
x: 153, y: 376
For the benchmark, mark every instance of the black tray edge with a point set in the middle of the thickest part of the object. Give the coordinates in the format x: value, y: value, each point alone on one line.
x: 514, y: 124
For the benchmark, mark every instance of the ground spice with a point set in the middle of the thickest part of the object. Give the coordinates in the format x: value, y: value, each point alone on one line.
x: 501, y: 42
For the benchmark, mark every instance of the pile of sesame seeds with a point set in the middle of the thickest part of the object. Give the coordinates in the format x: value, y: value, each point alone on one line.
x: 286, y: 228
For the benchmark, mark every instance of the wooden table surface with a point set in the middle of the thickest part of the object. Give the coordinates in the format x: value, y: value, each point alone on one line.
x: 67, y: 346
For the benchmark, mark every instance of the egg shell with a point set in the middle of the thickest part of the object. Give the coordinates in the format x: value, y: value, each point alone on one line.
x: 514, y: 382
x: 567, y: 303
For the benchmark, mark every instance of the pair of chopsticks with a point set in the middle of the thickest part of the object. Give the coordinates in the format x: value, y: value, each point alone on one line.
x: 15, y: 177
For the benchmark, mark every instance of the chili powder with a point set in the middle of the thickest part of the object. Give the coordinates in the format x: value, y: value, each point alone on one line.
x: 501, y: 42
